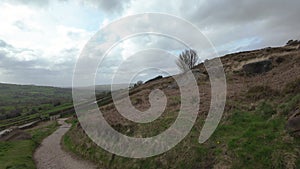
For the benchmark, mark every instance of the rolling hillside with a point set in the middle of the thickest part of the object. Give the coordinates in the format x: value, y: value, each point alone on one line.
x: 258, y: 128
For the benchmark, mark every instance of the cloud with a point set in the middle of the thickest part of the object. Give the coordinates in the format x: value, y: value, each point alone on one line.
x: 37, y: 3
x: 109, y: 6
x: 269, y: 22
x: 22, y: 26
x: 41, y: 40
x: 21, y: 65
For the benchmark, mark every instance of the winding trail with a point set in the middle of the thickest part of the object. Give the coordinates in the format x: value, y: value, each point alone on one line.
x: 51, y: 156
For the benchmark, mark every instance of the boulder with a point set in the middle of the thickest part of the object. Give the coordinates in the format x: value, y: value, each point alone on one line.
x: 258, y: 67
x: 292, y: 42
x: 173, y: 85
x: 154, y: 79
x: 293, y: 124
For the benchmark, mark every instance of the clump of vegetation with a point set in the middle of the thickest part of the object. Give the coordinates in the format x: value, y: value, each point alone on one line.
x: 291, y: 104
x: 293, y: 87
x: 266, y: 110
x: 261, y: 92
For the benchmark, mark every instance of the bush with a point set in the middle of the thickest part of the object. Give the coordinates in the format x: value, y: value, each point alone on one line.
x: 139, y: 83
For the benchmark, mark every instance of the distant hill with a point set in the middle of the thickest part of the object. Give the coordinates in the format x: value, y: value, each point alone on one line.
x: 106, y: 87
x: 13, y: 95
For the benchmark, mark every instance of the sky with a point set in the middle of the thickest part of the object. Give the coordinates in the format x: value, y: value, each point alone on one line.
x: 40, y: 41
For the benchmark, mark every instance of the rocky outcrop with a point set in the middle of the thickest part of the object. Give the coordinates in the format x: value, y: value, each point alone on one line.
x: 293, y: 124
x: 292, y: 42
x: 154, y: 79
x: 257, y: 67
x: 199, y: 75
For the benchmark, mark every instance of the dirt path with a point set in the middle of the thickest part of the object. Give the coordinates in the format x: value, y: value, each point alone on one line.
x: 51, y: 156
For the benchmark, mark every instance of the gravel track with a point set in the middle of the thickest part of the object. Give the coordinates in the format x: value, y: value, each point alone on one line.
x: 50, y: 154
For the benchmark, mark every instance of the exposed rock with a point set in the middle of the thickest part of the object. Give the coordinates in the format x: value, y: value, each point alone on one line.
x: 199, y: 75
x: 154, y: 79
x: 173, y: 85
x: 292, y: 42
x: 5, y: 132
x: 258, y: 67
x: 293, y: 124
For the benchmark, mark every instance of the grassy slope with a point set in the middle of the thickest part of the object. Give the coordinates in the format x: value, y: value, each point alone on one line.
x: 251, y: 134
x: 19, y: 154
x: 245, y: 139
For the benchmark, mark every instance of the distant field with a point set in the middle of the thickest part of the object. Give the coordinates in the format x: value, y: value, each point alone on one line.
x: 33, y: 117
x: 20, y: 104
x: 26, y: 98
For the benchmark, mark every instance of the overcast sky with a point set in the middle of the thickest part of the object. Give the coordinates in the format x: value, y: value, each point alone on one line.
x: 41, y: 40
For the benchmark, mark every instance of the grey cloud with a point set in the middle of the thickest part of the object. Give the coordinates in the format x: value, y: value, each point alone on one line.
x: 237, y: 12
x: 4, y: 44
x: 271, y: 21
x: 109, y: 6
x: 36, y: 71
x: 37, y: 3
x: 22, y: 26
x: 148, y: 62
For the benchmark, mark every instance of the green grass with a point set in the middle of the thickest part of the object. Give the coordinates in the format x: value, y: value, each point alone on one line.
x: 19, y: 154
x: 244, y: 139
x: 60, y: 108
x: 288, y: 106
x: 256, y: 140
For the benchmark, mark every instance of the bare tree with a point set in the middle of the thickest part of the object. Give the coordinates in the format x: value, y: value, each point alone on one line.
x: 187, y: 60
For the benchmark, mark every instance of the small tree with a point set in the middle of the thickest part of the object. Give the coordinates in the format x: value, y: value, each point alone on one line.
x: 187, y: 60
